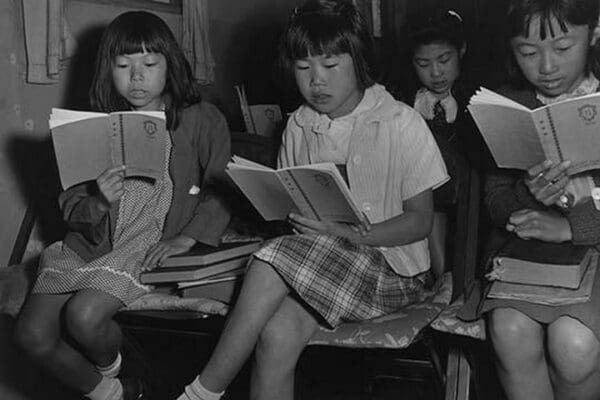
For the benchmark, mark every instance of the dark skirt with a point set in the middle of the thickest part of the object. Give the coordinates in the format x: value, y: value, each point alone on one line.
x: 341, y: 280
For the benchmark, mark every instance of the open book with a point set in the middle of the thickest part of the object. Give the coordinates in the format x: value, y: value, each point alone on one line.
x: 87, y: 143
x: 521, y: 138
x: 316, y: 191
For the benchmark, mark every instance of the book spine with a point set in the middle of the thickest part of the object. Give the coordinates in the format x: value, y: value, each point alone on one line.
x: 298, y: 195
x: 554, y: 134
x: 117, y: 144
x: 248, y: 121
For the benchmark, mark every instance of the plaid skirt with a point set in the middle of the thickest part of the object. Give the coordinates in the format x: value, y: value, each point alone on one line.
x: 342, y: 280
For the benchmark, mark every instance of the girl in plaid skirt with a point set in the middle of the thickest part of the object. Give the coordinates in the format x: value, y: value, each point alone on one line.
x: 329, y: 272
x: 118, y: 227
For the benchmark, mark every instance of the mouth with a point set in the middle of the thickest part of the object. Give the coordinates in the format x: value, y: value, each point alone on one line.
x: 439, y: 85
x: 320, y: 98
x: 137, y: 93
x: 550, y: 84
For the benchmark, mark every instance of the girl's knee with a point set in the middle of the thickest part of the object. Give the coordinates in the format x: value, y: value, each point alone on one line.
x: 515, y: 334
x: 84, y: 321
x: 573, y: 349
x: 35, y: 337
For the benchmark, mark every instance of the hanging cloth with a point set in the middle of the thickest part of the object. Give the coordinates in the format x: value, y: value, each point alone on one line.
x: 48, y: 39
x: 195, y: 41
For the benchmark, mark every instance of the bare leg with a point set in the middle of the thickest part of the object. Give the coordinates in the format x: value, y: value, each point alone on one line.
x: 260, y: 297
x: 574, y: 352
x: 280, y: 344
x: 89, y: 321
x: 519, y: 344
x: 38, y: 331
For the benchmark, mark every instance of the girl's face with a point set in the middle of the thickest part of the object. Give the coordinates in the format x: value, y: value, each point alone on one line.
x: 438, y: 66
x: 557, y: 64
x: 140, y: 78
x: 328, y: 83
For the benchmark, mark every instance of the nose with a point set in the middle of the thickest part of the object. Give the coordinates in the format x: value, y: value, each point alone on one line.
x: 548, y: 64
x: 136, y: 73
x: 317, y: 77
x: 436, y: 70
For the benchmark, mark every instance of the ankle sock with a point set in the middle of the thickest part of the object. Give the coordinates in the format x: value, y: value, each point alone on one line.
x: 112, y: 370
x: 196, y: 391
x: 107, y: 389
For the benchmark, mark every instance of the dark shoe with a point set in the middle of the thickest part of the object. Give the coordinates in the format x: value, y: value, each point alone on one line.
x: 135, y: 389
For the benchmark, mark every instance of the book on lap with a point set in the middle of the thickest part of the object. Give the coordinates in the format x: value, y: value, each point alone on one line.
x: 317, y: 191
x: 202, y: 262
x: 87, y: 143
x: 548, y: 295
x: 519, y: 137
x: 535, y: 262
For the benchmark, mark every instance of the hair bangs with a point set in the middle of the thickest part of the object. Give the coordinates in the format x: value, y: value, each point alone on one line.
x: 317, y: 36
x: 137, y: 37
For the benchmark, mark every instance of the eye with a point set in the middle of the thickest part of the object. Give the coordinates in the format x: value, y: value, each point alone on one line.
x: 301, y: 66
x: 561, y: 49
x: 445, y: 59
x: 150, y: 64
x: 527, y: 54
x: 422, y: 64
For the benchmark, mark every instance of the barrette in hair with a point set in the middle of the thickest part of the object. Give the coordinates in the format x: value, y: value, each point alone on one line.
x: 455, y: 14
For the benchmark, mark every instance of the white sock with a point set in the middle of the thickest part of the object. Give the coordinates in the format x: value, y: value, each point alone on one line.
x: 195, y: 391
x: 112, y: 370
x: 107, y: 389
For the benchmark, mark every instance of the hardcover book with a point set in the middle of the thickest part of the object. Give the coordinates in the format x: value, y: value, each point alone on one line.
x: 191, y: 272
x: 203, y: 254
x: 519, y: 137
x: 87, y: 143
x: 548, y: 295
x: 535, y: 262
x: 316, y: 191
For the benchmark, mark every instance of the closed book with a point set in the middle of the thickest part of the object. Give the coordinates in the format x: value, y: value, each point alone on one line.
x: 535, y: 262
x: 220, y: 287
x: 203, y: 254
x: 519, y: 137
x: 548, y: 295
x: 87, y: 143
x: 191, y: 272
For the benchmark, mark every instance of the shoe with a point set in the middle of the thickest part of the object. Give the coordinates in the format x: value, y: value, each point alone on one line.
x: 135, y: 389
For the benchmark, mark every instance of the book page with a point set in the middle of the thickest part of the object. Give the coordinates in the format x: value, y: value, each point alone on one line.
x: 144, y: 138
x: 82, y: 148
x: 326, y: 193
x: 510, y: 134
x: 574, y: 132
x: 265, y: 191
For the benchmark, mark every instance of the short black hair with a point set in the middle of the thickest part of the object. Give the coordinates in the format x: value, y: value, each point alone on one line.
x: 328, y: 27
x: 439, y: 25
x: 519, y: 14
x: 135, y: 32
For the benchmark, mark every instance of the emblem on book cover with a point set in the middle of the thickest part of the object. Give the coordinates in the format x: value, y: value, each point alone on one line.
x: 322, y: 179
x: 150, y: 127
x: 588, y: 113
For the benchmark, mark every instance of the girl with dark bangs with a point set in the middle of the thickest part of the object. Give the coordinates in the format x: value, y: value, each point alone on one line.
x: 120, y: 226
x: 327, y: 273
x: 547, y: 351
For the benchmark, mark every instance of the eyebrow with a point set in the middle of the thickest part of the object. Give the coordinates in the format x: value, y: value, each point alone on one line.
x: 444, y: 54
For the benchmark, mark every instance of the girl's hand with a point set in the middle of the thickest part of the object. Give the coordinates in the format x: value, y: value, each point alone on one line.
x: 547, y: 181
x: 110, y: 185
x: 165, y: 248
x: 310, y: 226
x: 541, y: 225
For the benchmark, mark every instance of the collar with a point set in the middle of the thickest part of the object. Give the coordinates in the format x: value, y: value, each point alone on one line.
x: 588, y: 86
x: 374, y: 106
x: 425, y: 100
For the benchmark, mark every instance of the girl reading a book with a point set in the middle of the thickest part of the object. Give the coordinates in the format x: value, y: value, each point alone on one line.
x: 328, y: 272
x: 117, y: 226
x: 437, y: 86
x: 546, y: 352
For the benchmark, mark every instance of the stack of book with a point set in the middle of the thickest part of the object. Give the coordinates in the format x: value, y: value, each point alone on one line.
x: 205, y: 271
x: 543, y: 273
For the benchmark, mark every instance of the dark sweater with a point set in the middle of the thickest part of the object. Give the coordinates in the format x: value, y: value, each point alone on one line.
x: 201, y: 148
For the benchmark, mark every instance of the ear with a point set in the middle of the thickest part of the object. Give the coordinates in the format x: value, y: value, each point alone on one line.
x: 595, y: 35
x: 462, y: 51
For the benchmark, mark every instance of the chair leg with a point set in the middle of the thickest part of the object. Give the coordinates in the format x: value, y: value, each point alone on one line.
x: 458, y: 375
